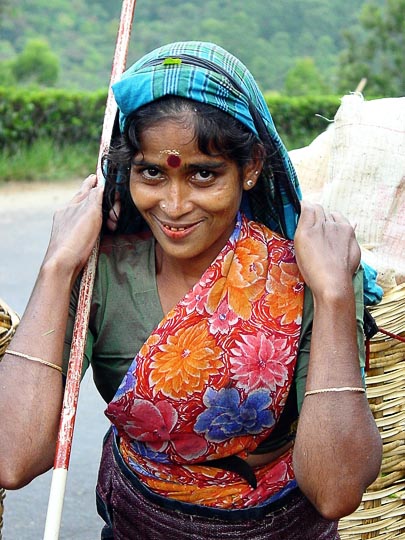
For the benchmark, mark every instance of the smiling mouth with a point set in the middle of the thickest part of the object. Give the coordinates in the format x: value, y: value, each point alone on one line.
x: 179, y: 232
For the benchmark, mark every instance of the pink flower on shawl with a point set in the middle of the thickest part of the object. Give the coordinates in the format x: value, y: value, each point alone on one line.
x: 222, y: 319
x: 260, y: 362
x: 273, y: 481
x: 197, y: 300
x: 153, y: 424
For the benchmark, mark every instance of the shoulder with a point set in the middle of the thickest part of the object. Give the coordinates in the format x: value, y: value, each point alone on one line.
x: 126, y: 261
x: 134, y: 249
x: 116, y: 243
x: 255, y: 229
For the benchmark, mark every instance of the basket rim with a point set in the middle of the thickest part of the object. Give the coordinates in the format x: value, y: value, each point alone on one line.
x: 14, y: 318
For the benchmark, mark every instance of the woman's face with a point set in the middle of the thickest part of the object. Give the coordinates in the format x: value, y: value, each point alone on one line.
x: 189, y: 199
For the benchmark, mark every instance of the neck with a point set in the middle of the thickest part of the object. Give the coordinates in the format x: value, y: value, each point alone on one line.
x: 177, y: 270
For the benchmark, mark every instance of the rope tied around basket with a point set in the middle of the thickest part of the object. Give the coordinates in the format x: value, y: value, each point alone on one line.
x: 391, y: 335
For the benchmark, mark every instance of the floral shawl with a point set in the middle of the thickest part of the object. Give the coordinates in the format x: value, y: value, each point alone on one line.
x: 211, y: 381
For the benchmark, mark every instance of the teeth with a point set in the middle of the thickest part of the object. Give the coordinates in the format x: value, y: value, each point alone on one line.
x: 175, y: 228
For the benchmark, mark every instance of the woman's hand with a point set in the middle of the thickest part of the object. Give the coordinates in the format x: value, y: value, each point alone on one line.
x: 76, y: 227
x: 326, y: 248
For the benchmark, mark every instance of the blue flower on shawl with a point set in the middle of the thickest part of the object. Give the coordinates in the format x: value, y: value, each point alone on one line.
x: 226, y: 416
x: 128, y: 381
x: 143, y: 450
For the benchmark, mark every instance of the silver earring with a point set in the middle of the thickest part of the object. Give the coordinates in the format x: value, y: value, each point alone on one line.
x: 250, y: 183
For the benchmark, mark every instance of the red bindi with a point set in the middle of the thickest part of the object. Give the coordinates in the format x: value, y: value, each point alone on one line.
x: 173, y: 161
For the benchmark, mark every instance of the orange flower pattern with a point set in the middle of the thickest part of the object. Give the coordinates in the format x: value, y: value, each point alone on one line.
x: 185, y: 363
x: 213, y: 378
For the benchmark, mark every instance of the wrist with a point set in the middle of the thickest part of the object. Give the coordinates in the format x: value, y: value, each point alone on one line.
x: 56, y: 271
x: 335, y: 297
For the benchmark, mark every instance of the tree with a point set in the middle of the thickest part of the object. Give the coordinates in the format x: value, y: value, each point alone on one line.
x: 37, y: 64
x: 3, y: 5
x: 375, y: 50
x: 304, y: 78
x: 267, y: 36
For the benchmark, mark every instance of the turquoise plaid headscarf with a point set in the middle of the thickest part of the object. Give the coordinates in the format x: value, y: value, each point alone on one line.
x: 206, y: 73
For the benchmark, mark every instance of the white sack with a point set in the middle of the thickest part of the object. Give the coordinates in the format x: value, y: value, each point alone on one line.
x: 365, y: 178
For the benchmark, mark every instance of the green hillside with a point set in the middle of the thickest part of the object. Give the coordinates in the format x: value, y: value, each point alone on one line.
x: 269, y: 36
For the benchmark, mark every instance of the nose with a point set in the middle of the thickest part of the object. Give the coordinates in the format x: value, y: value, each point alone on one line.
x: 176, y: 201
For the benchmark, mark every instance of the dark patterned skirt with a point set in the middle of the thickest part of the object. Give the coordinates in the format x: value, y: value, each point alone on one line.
x: 133, y: 512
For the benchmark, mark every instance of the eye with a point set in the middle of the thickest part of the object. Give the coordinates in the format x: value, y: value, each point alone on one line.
x: 204, y: 176
x: 147, y: 174
x: 151, y: 173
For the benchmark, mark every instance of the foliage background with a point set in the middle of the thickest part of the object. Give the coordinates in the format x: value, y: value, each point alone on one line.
x: 289, y: 45
x: 55, y: 65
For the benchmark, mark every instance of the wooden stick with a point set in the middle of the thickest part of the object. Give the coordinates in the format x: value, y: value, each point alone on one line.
x: 362, y: 83
x: 71, y: 394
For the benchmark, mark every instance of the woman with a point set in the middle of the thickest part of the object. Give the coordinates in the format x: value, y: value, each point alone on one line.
x: 204, y: 340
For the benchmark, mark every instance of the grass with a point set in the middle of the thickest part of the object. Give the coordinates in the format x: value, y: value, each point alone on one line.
x: 44, y: 161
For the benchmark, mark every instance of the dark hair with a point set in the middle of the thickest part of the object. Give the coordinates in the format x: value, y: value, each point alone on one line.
x: 216, y: 133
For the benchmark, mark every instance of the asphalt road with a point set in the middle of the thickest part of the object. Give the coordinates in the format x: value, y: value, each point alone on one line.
x: 25, y: 222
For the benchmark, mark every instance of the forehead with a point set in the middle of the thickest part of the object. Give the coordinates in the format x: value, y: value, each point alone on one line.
x: 169, y: 140
x: 181, y: 131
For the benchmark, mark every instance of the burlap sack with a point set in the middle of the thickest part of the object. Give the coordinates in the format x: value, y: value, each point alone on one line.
x: 364, y: 178
x: 312, y: 164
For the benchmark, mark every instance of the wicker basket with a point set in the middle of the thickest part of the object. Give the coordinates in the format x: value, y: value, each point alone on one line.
x: 382, y: 511
x: 8, y: 323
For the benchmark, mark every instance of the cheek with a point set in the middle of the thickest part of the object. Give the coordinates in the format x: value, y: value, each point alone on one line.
x: 225, y: 200
x: 142, y: 198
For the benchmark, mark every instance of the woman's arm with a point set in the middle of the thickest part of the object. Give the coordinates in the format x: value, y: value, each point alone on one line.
x: 338, y: 448
x: 31, y: 393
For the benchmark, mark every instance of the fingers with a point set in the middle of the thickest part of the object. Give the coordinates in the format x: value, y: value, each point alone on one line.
x: 88, y: 185
x: 312, y: 214
x: 338, y: 217
x: 325, y: 241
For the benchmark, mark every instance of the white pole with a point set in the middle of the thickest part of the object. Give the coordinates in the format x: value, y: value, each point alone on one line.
x: 71, y: 394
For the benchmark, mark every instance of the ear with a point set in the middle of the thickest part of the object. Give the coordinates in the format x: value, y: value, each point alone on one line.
x: 252, y: 170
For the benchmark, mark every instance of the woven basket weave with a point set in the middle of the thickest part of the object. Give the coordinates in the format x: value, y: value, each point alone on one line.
x: 382, y: 511
x: 8, y: 323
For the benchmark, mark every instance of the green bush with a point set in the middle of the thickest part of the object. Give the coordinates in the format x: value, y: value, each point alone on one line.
x: 300, y: 119
x: 36, y: 63
x: 63, y: 117
x: 71, y: 118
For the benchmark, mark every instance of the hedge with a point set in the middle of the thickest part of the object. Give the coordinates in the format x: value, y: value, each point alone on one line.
x: 300, y: 119
x: 62, y: 116
x: 70, y: 117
